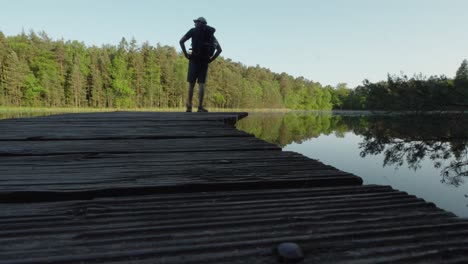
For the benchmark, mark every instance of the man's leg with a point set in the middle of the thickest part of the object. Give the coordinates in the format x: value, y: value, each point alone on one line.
x: 201, y: 85
x: 201, y: 94
x: 190, y: 96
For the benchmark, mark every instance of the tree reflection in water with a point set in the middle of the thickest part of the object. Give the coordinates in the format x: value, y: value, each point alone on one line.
x: 413, y: 138
x: 442, y: 138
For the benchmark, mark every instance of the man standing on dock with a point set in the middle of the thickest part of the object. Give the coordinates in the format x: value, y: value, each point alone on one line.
x: 204, y: 45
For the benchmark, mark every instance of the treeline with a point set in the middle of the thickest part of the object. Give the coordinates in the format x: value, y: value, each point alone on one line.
x: 38, y: 71
x: 418, y: 93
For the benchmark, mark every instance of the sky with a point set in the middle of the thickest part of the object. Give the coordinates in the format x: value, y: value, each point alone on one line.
x: 326, y: 41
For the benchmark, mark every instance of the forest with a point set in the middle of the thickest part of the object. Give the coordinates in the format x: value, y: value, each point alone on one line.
x: 401, y: 93
x: 37, y: 71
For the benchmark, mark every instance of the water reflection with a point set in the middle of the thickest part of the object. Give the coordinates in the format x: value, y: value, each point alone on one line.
x: 401, y: 139
x: 283, y: 129
x: 411, y: 139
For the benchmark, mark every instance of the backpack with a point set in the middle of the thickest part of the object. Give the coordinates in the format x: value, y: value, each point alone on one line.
x: 203, y: 43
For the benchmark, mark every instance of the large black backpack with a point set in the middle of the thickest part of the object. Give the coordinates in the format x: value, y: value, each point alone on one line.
x: 203, y: 42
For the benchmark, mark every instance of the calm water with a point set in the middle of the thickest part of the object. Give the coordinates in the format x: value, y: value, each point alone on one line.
x: 424, y: 155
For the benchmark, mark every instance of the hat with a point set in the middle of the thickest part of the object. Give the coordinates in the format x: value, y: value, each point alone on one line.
x: 200, y: 19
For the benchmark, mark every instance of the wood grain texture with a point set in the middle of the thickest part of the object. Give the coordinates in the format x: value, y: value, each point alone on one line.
x: 65, y: 157
x: 353, y: 224
x: 144, y: 187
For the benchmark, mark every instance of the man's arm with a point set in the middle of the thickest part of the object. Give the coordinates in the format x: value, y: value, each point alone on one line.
x: 218, y: 51
x: 182, y: 45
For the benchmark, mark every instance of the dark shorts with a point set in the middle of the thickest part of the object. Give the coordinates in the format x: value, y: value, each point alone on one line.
x: 197, y: 71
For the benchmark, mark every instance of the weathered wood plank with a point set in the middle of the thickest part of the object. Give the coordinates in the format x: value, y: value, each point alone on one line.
x: 101, y: 130
x: 132, y: 187
x: 216, y: 157
x: 121, y: 125
x: 35, y: 178
x: 69, y: 156
x: 360, y: 224
x: 139, y: 116
x: 60, y: 147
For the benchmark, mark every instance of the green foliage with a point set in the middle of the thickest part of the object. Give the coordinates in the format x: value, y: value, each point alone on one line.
x: 417, y: 93
x: 13, y: 74
x: 339, y: 95
x: 38, y: 71
x: 32, y: 91
x: 461, y: 84
x: 462, y: 72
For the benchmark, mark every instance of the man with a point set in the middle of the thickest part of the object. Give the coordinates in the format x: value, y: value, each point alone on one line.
x: 204, y: 45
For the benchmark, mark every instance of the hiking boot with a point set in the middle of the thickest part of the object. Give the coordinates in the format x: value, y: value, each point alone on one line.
x: 189, y: 109
x: 202, y: 110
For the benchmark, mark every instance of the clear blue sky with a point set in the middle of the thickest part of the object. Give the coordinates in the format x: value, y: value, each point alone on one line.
x: 329, y: 41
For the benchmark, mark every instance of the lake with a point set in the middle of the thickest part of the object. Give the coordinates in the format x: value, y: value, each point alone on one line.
x: 425, y: 155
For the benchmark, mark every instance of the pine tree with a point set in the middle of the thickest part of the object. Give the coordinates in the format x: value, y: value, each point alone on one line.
x: 13, y: 74
x: 32, y: 91
x: 462, y: 72
x: 123, y: 93
x: 152, y: 77
x: 3, y: 52
x: 461, y: 83
x: 77, y: 85
x: 165, y: 57
x: 136, y: 71
x: 96, y: 96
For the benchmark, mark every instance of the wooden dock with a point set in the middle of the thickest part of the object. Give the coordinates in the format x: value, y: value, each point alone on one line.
x: 133, y: 187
